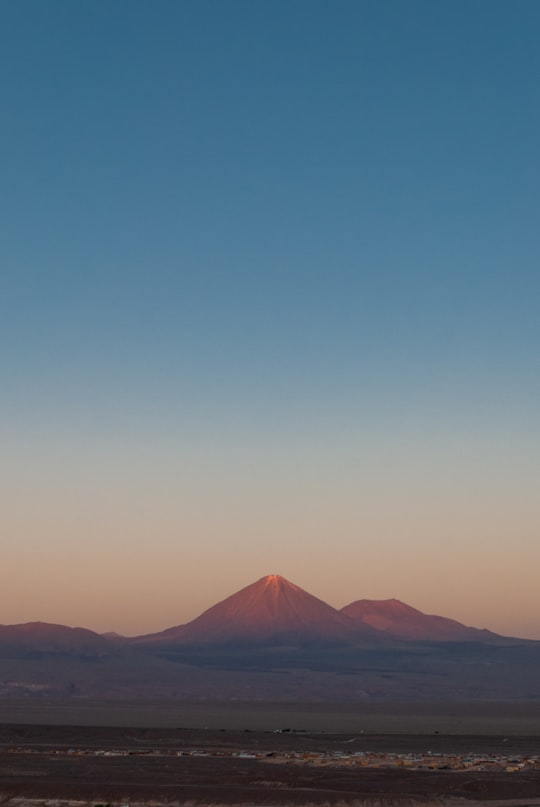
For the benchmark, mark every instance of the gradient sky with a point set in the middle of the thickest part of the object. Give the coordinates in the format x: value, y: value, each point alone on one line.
x: 269, y: 303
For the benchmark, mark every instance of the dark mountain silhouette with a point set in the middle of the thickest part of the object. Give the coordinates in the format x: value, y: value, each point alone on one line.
x: 44, y: 637
x: 270, y: 609
x: 400, y: 620
x: 274, y: 641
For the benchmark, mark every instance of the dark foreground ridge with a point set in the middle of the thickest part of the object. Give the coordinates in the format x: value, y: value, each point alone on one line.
x: 184, y: 766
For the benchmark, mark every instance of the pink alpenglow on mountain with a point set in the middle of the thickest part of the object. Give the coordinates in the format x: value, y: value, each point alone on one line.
x: 271, y: 608
x: 400, y: 620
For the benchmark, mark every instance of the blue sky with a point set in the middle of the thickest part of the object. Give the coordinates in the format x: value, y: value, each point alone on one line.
x: 270, y: 268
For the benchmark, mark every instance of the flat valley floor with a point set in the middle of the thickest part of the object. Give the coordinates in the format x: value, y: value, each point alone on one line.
x: 258, y: 755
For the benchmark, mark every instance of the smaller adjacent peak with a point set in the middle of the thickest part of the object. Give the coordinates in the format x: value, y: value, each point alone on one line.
x: 390, y: 608
x: 398, y: 619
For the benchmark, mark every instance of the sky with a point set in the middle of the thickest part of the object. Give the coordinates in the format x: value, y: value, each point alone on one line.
x: 269, y: 294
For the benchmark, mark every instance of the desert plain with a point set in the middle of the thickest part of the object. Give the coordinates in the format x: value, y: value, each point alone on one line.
x: 63, y: 754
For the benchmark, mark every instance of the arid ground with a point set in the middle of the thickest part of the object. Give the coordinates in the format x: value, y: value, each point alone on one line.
x: 472, y: 717
x: 228, y: 763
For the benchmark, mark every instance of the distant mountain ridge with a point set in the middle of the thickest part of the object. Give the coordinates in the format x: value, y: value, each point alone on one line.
x: 270, y: 609
x: 273, y: 641
x: 273, y: 608
x: 45, y: 637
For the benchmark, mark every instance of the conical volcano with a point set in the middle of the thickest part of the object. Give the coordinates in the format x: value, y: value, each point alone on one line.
x: 270, y: 609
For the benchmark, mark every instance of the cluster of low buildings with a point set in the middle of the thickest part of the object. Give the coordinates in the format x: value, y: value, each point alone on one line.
x: 427, y: 761
x: 361, y: 759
